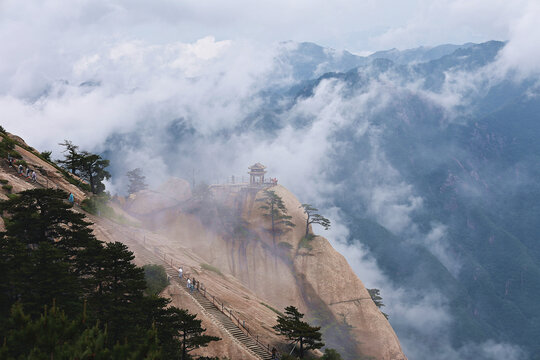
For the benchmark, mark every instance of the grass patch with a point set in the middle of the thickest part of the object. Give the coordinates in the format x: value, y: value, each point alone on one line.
x: 7, y: 187
x: 211, y: 268
x: 156, y: 279
x: 3, y: 181
x: 271, y: 308
x: 12, y: 196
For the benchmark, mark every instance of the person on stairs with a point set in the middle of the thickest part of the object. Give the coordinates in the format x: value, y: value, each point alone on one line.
x: 180, y: 272
x: 34, y: 178
x: 189, y: 284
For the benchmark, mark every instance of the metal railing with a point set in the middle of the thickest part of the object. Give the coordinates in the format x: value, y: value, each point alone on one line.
x: 219, y: 304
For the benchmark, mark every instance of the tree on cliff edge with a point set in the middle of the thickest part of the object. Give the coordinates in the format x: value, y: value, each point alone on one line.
x: 313, y: 217
x: 291, y: 325
x: 92, y: 167
x: 377, y: 299
x: 72, y: 157
x: 136, y: 181
x: 277, y: 213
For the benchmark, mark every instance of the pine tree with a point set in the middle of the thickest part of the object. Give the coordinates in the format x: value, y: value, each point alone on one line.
x: 72, y: 157
x: 375, y: 295
x: 92, y: 167
x: 136, y: 181
x: 291, y: 325
x: 277, y: 213
x: 314, y: 218
x: 55, y: 335
x: 48, y: 253
x: 39, y: 251
x: 191, y: 333
x: 119, y: 287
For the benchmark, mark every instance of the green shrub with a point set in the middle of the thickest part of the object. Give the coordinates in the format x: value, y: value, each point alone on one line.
x: 21, y: 162
x: 156, y: 278
x: 97, y: 205
x: 46, y: 155
x: 12, y: 196
x: 3, y: 181
x: 15, y: 155
x: 7, y: 187
x: 211, y: 268
x: 305, y: 243
x: 6, y: 146
x: 331, y: 354
x: 2, y: 130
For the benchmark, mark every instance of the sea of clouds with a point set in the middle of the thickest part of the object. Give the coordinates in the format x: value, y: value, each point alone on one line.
x: 84, y: 71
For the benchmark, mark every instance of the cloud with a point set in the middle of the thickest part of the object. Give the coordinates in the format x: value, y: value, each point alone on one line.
x: 137, y: 88
x: 85, y: 70
x: 520, y: 54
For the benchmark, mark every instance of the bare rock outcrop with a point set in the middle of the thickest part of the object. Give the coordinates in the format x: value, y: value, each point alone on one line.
x: 317, y: 279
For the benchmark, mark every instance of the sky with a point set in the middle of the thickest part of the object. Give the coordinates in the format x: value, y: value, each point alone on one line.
x: 148, y: 62
x: 357, y: 26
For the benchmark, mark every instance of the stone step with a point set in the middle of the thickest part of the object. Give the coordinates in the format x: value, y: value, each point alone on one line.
x: 207, y: 304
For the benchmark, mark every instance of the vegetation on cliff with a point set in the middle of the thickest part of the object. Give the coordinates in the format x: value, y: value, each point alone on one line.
x: 49, y: 256
x: 90, y: 167
x: 306, y: 337
x: 275, y: 210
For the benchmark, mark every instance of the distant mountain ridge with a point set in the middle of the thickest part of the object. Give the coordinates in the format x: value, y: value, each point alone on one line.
x: 464, y: 149
x: 309, y: 60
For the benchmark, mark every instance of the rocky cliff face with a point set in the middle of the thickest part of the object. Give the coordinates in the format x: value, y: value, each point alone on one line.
x: 231, y: 233
x: 225, y: 228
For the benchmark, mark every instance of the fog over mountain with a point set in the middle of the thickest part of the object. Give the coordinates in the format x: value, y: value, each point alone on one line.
x: 426, y: 160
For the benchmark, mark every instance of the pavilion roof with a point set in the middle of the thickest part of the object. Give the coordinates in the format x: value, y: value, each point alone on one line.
x: 257, y: 166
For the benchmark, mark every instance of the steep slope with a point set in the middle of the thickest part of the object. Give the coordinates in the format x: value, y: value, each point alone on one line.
x: 228, y: 249
x: 233, y: 237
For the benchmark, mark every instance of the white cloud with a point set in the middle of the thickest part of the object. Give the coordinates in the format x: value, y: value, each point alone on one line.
x: 206, y: 62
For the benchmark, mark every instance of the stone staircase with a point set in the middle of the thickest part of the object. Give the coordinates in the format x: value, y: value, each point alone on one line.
x: 225, y: 321
x: 213, y: 308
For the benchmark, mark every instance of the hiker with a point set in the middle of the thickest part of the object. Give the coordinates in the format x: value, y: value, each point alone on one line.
x: 198, y: 282
x: 34, y: 177
x: 27, y: 172
x: 20, y: 169
x: 274, y: 353
x: 71, y: 198
x: 180, y: 272
x: 189, y: 284
x: 193, y: 284
x: 10, y: 160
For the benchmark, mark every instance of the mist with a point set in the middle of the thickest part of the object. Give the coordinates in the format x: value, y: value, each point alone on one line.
x: 176, y: 101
